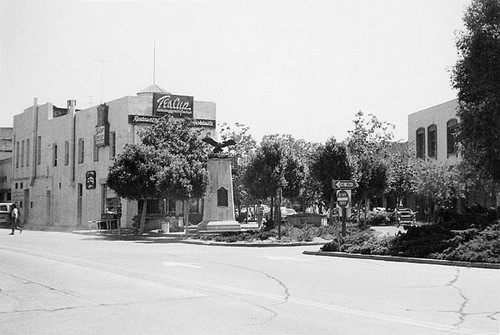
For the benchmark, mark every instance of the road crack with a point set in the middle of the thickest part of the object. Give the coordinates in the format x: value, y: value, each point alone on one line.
x: 461, y: 311
x: 286, y: 292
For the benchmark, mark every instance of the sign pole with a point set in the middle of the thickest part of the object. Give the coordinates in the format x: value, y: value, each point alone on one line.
x: 344, y: 222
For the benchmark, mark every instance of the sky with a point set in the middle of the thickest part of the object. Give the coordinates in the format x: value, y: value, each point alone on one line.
x: 303, y: 68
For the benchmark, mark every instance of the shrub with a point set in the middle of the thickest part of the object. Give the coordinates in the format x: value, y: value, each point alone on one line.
x: 473, y: 245
x: 362, y: 242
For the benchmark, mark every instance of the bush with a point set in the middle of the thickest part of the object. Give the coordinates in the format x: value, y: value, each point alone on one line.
x: 362, y: 242
x: 473, y: 237
x: 473, y: 245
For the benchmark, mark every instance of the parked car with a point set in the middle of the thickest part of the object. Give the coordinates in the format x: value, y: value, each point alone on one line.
x: 404, y: 216
x: 5, y: 209
x: 284, y: 212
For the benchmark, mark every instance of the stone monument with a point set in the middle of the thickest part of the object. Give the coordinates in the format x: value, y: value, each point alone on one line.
x: 218, y: 211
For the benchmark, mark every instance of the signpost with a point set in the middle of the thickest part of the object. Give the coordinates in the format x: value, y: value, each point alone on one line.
x: 343, y: 198
x: 344, y: 184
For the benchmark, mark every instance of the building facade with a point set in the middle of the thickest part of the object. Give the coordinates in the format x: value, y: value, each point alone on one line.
x: 5, y: 164
x: 432, y: 131
x: 62, y: 155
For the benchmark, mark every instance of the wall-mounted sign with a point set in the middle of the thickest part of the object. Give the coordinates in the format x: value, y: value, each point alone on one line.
x: 148, y: 119
x: 102, y: 135
x: 176, y: 105
x: 204, y: 123
x: 90, y: 180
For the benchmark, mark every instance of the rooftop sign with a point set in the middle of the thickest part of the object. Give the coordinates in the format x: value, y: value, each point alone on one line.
x: 176, y: 105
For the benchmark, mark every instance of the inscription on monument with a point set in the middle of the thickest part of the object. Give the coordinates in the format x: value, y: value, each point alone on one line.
x: 222, y: 198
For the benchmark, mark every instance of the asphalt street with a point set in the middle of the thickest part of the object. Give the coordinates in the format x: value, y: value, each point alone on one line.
x: 64, y: 283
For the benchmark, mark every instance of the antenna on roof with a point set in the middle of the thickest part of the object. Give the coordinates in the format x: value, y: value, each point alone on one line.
x: 154, y: 59
x: 102, y: 77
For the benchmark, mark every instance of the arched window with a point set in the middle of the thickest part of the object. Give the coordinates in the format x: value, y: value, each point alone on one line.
x: 420, y: 143
x: 451, y: 130
x: 432, y: 141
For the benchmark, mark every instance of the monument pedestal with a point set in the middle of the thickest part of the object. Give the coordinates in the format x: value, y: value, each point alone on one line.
x: 218, y: 211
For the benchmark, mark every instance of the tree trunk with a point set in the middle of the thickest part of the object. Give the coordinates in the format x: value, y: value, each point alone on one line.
x: 271, y: 213
x: 278, y: 212
x: 142, y: 223
x: 186, y: 216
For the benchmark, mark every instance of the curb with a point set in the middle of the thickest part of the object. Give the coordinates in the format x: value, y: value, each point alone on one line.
x: 405, y: 259
x: 250, y: 244
x: 180, y: 239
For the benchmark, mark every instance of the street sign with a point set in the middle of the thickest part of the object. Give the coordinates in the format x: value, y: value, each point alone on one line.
x: 344, y: 184
x: 342, y: 198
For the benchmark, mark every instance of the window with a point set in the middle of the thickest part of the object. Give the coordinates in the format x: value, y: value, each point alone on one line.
x: 81, y: 148
x: 28, y: 152
x: 420, y: 143
x: 170, y: 206
x: 451, y: 133
x: 112, y: 145
x: 54, y: 154
x: 39, y: 150
x: 432, y: 141
x: 17, y: 154
x: 153, y: 206
x: 22, y: 153
x: 96, y: 151
x: 66, y: 153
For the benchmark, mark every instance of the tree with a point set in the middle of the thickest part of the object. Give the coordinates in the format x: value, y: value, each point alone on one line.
x: 330, y: 163
x: 275, y: 170
x: 241, y: 153
x: 438, y: 182
x: 368, y: 146
x: 476, y: 76
x: 133, y: 175
x: 170, y: 162
x: 403, y: 166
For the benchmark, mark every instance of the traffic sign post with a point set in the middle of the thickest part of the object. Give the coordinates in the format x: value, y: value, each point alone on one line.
x: 342, y: 198
x: 344, y: 188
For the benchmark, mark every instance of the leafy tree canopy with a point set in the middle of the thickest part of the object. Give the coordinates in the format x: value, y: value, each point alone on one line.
x: 275, y: 165
x: 330, y: 162
x: 368, y: 145
x: 170, y: 161
x: 133, y: 174
x: 476, y: 76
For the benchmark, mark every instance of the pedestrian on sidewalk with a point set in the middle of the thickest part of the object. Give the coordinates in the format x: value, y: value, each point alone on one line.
x: 259, y: 214
x: 14, y: 220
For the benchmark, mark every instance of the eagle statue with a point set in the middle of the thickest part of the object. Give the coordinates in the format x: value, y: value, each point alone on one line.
x: 218, y: 146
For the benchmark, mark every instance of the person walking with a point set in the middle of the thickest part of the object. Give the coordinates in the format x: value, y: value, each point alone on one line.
x: 259, y: 214
x: 14, y: 220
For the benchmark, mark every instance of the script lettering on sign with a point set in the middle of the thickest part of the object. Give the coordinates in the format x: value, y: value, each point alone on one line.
x: 176, y: 105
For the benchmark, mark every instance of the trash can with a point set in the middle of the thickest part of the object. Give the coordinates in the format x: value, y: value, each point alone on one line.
x: 165, y: 227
